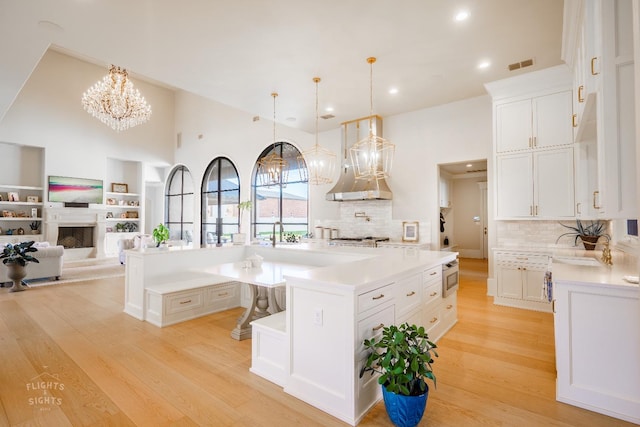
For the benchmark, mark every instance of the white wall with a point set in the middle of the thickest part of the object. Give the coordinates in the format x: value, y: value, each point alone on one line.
x: 48, y: 113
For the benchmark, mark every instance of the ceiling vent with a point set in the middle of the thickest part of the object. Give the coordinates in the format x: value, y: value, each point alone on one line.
x: 521, y: 64
x: 327, y: 116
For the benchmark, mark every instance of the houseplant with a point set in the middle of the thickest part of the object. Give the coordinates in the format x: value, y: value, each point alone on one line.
x: 34, y: 226
x: 240, y: 237
x: 588, y: 233
x: 16, y: 257
x: 402, y: 356
x: 160, y: 234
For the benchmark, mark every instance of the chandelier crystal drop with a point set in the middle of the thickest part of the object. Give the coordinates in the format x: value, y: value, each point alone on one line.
x: 372, y: 157
x: 115, y: 102
x: 318, y: 164
x: 272, y: 168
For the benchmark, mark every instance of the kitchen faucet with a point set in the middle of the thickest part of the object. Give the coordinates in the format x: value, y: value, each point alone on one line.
x: 273, y: 241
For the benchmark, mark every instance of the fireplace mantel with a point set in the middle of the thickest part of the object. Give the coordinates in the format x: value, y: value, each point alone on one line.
x: 66, y: 217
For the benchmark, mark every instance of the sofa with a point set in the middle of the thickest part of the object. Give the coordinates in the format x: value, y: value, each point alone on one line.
x: 50, y: 264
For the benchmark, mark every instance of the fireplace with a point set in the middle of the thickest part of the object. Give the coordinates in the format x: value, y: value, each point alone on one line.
x: 76, y: 237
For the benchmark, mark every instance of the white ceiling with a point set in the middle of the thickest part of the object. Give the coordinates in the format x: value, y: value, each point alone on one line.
x: 238, y: 52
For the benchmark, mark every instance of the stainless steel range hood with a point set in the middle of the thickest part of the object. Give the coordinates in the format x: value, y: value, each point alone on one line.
x: 349, y: 188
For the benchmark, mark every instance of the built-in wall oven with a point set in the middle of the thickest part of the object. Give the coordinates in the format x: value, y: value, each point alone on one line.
x: 450, y: 278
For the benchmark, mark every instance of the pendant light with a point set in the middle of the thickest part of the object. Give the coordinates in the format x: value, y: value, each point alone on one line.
x: 272, y: 168
x: 317, y: 165
x: 372, y: 157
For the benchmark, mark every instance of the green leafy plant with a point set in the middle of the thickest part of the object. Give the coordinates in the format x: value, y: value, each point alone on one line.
x: 19, y: 253
x: 595, y: 228
x: 402, y: 356
x: 34, y: 225
x: 160, y: 234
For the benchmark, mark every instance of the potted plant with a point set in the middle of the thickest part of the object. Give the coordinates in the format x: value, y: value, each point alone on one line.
x: 402, y: 356
x: 588, y: 233
x: 240, y: 237
x: 34, y: 227
x: 160, y: 235
x: 16, y: 257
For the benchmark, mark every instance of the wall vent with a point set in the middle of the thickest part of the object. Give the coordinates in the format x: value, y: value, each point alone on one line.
x: 327, y: 116
x: 521, y: 64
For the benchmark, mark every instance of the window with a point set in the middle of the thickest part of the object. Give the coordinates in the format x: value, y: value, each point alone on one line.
x: 220, y: 199
x: 287, y: 202
x: 179, y: 204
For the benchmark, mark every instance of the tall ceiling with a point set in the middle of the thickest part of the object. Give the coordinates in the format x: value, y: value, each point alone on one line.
x: 238, y: 52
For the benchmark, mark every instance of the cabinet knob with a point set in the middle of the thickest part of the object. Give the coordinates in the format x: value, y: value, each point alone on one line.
x: 449, y: 307
x: 433, y: 294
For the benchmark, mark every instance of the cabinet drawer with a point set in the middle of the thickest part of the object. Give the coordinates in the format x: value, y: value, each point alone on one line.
x: 183, y: 301
x: 432, y: 294
x: 375, y: 298
x: 431, y: 319
x: 522, y: 259
x: 450, y: 308
x: 432, y: 275
x: 221, y: 296
x: 372, y: 326
x: 409, y: 293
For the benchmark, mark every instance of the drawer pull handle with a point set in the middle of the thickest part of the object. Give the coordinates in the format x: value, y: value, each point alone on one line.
x: 412, y: 293
x: 223, y: 294
x: 593, y: 68
x: 433, y: 273
x: 185, y: 302
x: 377, y: 328
x: 378, y: 297
x: 433, y: 294
x: 450, y: 306
x: 580, y: 93
x: 434, y: 320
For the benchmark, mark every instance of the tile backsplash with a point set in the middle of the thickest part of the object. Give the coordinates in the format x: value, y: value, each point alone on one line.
x: 535, y: 233
x: 372, y: 218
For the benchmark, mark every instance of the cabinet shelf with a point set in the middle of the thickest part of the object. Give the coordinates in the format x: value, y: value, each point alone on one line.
x: 7, y: 203
x: 111, y: 193
x: 20, y: 187
x: 123, y: 219
x: 24, y: 218
x: 107, y: 207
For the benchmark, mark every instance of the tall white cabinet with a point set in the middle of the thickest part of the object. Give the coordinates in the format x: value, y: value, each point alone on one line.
x: 533, y: 145
x: 598, y: 46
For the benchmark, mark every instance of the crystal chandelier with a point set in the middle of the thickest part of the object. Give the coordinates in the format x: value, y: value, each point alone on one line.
x: 318, y: 164
x: 115, y: 102
x: 372, y: 157
x: 273, y: 169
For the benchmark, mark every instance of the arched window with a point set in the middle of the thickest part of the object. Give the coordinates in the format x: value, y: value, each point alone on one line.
x: 179, y: 200
x: 287, y: 202
x: 220, y: 199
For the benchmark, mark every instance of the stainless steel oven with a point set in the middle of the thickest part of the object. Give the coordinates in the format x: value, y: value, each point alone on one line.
x: 450, y: 278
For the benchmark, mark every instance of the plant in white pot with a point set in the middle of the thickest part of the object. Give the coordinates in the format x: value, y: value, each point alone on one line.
x: 240, y: 238
x: 402, y: 356
x: 16, y: 257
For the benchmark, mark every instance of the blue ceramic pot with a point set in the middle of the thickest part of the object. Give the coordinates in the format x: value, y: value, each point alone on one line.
x: 405, y: 411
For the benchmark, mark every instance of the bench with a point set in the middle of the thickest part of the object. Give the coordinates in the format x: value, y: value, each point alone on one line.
x: 178, y: 297
x: 269, y: 348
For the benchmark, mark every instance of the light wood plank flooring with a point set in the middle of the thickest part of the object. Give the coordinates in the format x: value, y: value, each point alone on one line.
x: 69, y: 356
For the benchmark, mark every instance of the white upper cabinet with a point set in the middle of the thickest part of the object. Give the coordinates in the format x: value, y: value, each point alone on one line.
x: 542, y: 121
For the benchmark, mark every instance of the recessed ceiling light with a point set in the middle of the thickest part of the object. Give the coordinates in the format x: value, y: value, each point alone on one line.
x: 393, y: 90
x: 291, y: 119
x: 484, y: 64
x: 462, y: 15
x: 329, y: 109
x: 469, y: 165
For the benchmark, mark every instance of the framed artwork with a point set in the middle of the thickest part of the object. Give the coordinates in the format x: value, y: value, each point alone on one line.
x: 409, y: 231
x: 119, y: 188
x: 111, y: 201
x: 7, y: 214
x: 32, y: 199
x: 109, y: 214
x: 109, y: 229
x: 13, y: 196
x: 34, y: 212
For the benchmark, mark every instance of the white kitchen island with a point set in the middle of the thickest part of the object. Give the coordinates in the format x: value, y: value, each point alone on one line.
x: 335, y: 298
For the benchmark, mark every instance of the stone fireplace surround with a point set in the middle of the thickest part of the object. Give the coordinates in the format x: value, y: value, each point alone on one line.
x: 77, y: 217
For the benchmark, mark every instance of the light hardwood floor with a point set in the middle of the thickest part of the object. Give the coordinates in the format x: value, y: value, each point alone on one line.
x: 101, y: 367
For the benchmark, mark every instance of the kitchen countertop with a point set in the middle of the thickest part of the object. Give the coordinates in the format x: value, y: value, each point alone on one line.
x: 623, y: 265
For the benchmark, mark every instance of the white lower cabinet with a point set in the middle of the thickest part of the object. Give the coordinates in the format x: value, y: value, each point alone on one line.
x: 597, y: 338
x: 520, y: 278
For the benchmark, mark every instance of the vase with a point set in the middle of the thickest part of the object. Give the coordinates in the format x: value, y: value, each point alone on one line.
x: 16, y: 273
x: 589, y: 242
x: 405, y: 411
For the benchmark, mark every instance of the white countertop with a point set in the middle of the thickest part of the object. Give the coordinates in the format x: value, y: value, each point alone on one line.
x: 623, y: 265
x: 269, y: 274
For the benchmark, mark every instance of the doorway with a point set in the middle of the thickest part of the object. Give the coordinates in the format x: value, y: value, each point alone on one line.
x: 462, y: 206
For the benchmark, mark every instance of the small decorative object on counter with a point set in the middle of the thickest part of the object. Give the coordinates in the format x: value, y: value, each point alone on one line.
x: 606, y: 255
x: 160, y: 234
